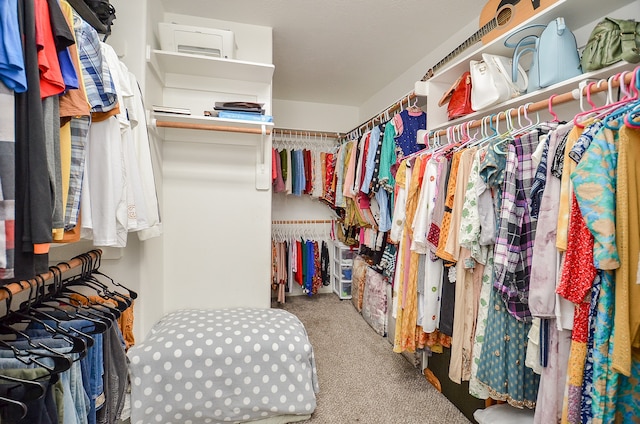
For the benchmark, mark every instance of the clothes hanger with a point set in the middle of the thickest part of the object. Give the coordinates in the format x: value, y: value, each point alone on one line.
x: 99, y: 323
x: 502, y: 137
x: 595, y: 111
x: 484, y: 135
x: 464, y: 139
x: 615, y: 116
x: 27, y: 314
x: 33, y: 389
x: 88, y: 280
x: 551, y: 112
x: 413, y: 107
x: 631, y: 116
x: 531, y: 125
x: 67, y: 290
x: 581, y: 92
x: 61, y: 362
x: 13, y: 408
x: 102, y: 312
x: 96, y: 270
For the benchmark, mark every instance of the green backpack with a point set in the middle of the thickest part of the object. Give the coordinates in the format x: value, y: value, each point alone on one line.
x: 611, y: 41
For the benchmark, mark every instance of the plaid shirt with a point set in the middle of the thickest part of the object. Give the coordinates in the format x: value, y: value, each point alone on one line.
x: 101, y: 92
x: 516, y: 229
x: 79, y: 132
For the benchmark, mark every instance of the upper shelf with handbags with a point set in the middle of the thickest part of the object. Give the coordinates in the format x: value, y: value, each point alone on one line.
x: 580, y: 16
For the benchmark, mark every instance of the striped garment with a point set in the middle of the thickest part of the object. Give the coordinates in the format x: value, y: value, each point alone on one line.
x: 101, y: 91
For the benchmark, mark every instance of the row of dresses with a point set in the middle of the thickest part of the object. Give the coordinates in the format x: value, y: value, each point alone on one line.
x: 73, y: 139
x: 302, y: 262
x: 363, y: 180
x: 301, y: 171
x: 509, y: 250
x: 589, y: 208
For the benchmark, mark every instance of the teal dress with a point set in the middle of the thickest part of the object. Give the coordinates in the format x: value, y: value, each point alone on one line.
x: 594, y: 181
x: 502, y: 360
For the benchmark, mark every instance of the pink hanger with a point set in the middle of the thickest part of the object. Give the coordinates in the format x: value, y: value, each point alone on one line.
x: 607, y: 108
x: 593, y: 105
x: 551, y: 112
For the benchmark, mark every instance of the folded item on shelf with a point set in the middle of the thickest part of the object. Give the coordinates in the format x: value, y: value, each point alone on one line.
x: 172, y: 109
x: 245, y: 116
x: 240, y: 107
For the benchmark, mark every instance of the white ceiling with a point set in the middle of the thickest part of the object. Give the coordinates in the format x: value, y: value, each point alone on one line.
x: 341, y: 51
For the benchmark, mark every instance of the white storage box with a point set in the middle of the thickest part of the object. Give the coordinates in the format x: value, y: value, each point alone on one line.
x: 197, y: 40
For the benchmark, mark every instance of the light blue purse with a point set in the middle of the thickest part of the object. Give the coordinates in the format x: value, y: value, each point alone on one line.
x: 555, y: 56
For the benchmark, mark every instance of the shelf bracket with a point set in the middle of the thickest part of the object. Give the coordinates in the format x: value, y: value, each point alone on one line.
x: 263, y: 176
x: 153, y: 62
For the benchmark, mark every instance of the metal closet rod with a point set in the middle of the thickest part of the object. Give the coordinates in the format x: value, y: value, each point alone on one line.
x: 312, y: 133
x: 395, y: 106
x: 210, y: 127
x: 555, y: 99
x: 302, y: 221
x: 68, y: 269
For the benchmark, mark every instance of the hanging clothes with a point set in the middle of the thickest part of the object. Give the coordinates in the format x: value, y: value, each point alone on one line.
x: 407, y: 123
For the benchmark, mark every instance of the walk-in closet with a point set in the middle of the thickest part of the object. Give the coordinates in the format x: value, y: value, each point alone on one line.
x: 281, y: 211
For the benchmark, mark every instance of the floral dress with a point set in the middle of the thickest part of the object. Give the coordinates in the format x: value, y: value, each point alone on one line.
x: 594, y: 181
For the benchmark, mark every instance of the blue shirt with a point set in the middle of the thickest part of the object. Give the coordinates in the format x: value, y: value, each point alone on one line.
x: 410, y: 124
x: 370, y: 164
x: 101, y: 91
x: 12, y: 72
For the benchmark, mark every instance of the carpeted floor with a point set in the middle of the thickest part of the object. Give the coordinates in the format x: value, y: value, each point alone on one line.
x: 361, y: 379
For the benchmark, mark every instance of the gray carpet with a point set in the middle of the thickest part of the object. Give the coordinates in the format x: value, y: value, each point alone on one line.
x: 361, y: 379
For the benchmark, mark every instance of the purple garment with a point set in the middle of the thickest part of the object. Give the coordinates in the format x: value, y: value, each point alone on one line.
x: 516, y: 230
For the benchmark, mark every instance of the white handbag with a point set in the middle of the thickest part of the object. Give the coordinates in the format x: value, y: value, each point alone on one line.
x: 491, y: 81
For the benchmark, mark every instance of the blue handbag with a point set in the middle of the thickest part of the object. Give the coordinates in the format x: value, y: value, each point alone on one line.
x: 555, y: 56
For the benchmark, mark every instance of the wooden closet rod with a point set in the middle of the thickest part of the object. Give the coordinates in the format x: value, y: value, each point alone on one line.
x: 69, y: 269
x: 303, y: 221
x: 209, y: 127
x: 553, y: 100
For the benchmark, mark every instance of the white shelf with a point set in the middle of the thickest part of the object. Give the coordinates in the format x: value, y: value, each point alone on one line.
x: 198, y: 128
x: 240, y: 133
x: 165, y: 62
x: 577, y: 13
x: 545, y: 93
x: 209, y: 120
x: 579, y: 16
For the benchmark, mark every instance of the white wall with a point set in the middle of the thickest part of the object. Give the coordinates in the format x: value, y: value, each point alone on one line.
x: 253, y: 42
x: 314, y: 116
x: 405, y: 82
x: 217, y: 225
